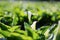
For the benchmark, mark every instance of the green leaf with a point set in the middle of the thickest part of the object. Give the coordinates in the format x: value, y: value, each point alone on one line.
x: 31, y: 32
x: 1, y: 36
x: 16, y: 36
x: 4, y: 27
x: 43, y: 29
x: 50, y: 30
x: 21, y: 32
x: 5, y: 33
x: 26, y: 25
x: 12, y: 29
x: 15, y: 19
x: 57, y: 32
x: 53, y: 18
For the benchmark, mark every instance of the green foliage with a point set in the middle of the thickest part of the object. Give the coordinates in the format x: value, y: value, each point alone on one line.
x: 12, y: 19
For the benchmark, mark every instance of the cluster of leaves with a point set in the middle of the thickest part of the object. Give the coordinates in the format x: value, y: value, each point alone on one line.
x: 15, y: 24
